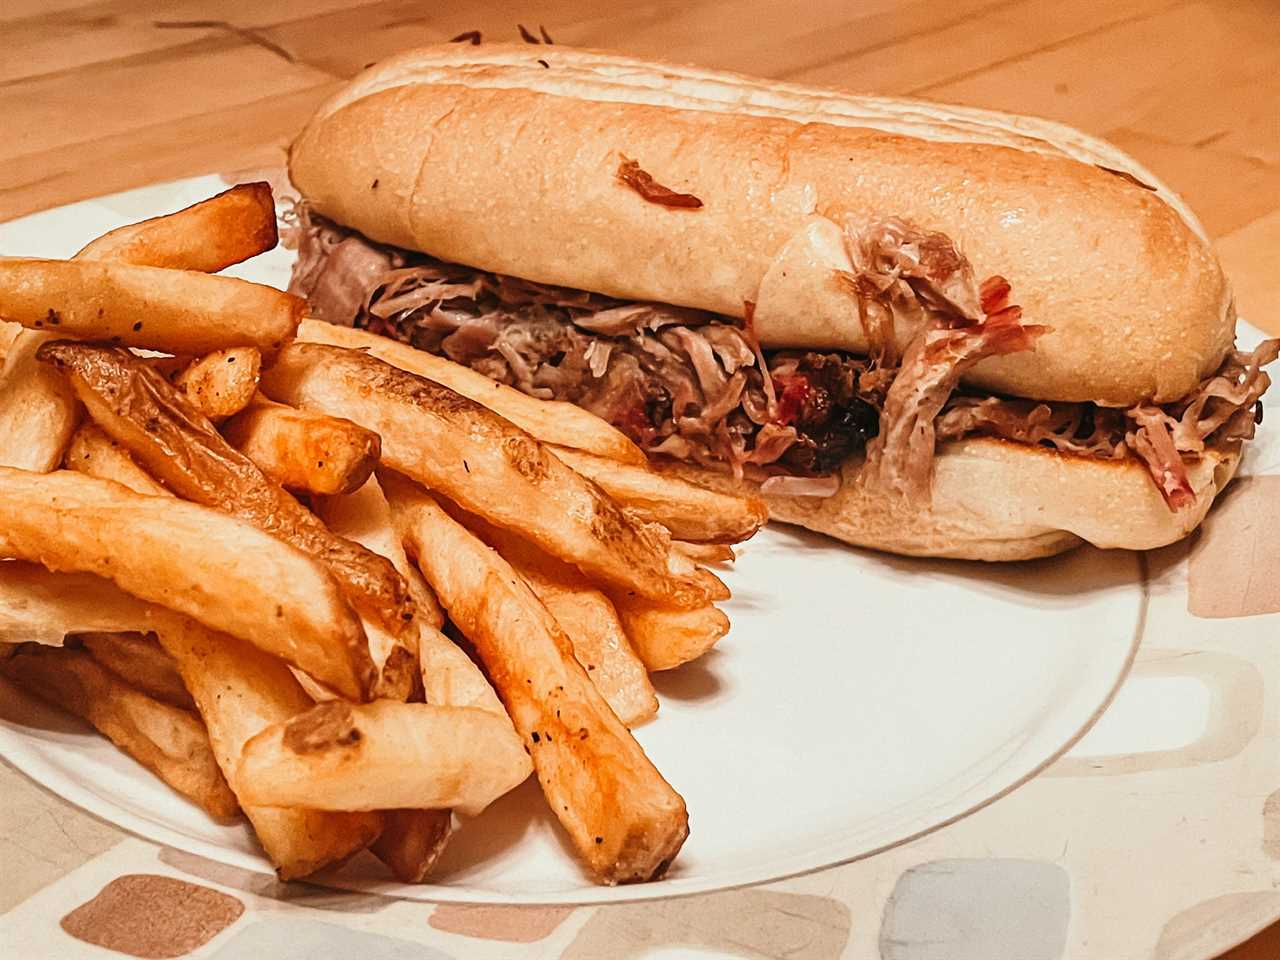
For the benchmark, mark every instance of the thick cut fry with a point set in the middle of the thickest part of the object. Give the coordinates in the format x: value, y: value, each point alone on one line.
x: 44, y: 607
x: 365, y: 518
x: 168, y: 741
x: 690, y: 512
x: 96, y: 454
x: 169, y: 437
x: 429, y: 611
x: 207, y: 236
x: 450, y: 677
x: 412, y: 841
x: 625, y: 820
x: 489, y: 467
x: 222, y: 383
x: 382, y: 756
x: 665, y: 637
x: 551, y: 421
x: 173, y: 311
x: 241, y: 691
x: 586, y: 615
x: 38, y: 409
x: 226, y: 573
x: 141, y: 662
x: 9, y: 332
x: 305, y: 451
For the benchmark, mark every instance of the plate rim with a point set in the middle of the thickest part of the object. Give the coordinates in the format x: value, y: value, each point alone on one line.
x: 156, y: 831
x: 27, y: 760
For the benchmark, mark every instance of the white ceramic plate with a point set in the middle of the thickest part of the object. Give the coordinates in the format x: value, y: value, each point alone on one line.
x: 859, y: 700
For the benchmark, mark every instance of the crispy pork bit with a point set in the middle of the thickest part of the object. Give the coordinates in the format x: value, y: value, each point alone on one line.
x: 642, y: 182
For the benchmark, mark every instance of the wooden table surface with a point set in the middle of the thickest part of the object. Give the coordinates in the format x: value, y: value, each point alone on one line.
x: 101, y: 95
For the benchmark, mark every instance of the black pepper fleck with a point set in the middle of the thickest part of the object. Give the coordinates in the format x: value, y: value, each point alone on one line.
x: 536, y: 738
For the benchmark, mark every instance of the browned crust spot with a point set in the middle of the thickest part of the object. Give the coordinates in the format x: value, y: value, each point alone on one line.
x: 323, y: 727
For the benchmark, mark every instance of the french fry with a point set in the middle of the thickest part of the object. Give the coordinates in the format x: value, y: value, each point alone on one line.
x: 551, y: 421
x: 586, y: 614
x: 168, y: 741
x: 44, y: 607
x: 624, y: 819
x: 705, y: 552
x: 38, y: 410
x: 241, y: 691
x: 665, y: 637
x: 94, y: 453
x: 430, y: 613
x: 141, y: 662
x: 382, y: 755
x: 173, y: 311
x: 304, y: 451
x: 365, y: 518
x: 489, y: 467
x: 412, y: 842
x: 226, y: 573
x: 207, y: 236
x: 222, y: 383
x: 8, y: 333
x: 690, y: 512
x: 171, y: 439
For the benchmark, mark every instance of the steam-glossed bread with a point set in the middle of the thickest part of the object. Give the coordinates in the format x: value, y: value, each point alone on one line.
x: 926, y: 329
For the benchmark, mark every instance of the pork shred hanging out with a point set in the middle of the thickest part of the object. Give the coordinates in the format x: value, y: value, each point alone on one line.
x: 696, y: 386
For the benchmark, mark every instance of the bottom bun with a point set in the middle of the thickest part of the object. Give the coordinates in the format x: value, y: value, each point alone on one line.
x: 996, y: 500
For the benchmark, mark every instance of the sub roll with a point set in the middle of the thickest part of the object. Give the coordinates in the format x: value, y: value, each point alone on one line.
x: 924, y: 329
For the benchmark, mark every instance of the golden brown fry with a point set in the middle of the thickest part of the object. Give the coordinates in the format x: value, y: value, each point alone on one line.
x: 173, y: 311
x: 9, y: 332
x: 412, y: 841
x: 141, y: 662
x: 382, y: 755
x: 489, y: 467
x: 690, y: 512
x: 41, y: 606
x: 96, y: 454
x: 305, y: 451
x: 222, y: 383
x: 201, y: 562
x: 665, y: 637
x: 38, y: 409
x: 705, y: 552
x: 169, y: 437
x: 207, y: 236
x: 551, y: 421
x: 405, y: 662
x: 168, y: 741
x: 450, y: 677
x: 364, y: 517
x: 586, y: 615
x: 625, y: 820
x: 240, y: 691
x: 429, y: 611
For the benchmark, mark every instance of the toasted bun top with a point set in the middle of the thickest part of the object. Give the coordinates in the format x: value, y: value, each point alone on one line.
x: 485, y: 156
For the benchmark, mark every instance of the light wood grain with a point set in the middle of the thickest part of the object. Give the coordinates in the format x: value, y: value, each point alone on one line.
x: 94, y: 97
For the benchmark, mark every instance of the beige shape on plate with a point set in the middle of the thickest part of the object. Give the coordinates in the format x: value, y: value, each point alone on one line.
x: 1235, y: 564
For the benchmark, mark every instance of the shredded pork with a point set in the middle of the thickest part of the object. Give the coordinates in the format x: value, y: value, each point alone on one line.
x: 696, y: 386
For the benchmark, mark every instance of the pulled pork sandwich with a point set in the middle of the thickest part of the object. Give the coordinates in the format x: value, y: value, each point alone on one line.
x: 924, y: 329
